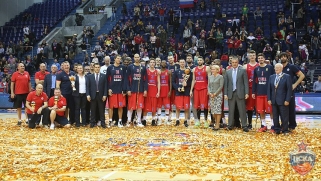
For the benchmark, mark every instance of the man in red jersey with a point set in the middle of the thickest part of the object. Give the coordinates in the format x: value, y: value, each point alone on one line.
x: 261, y: 78
x: 116, y: 89
x: 199, y: 84
x: 58, y: 105
x: 20, y: 87
x: 250, y: 102
x: 136, y: 90
x: 40, y: 75
x: 153, y: 91
x: 37, y: 106
x: 165, y: 92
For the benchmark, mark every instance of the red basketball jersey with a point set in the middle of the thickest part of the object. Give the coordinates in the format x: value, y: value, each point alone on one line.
x: 250, y: 72
x: 164, y: 84
x: 200, y: 78
x: 152, y: 83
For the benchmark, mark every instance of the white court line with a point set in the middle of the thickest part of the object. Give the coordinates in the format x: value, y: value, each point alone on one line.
x: 108, y: 175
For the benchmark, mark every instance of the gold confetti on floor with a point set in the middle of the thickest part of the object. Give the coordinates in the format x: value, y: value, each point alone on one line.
x: 43, y: 154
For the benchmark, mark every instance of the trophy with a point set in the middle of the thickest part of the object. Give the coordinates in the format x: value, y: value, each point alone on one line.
x: 56, y: 100
x: 72, y: 80
x: 33, y: 104
x: 185, y: 77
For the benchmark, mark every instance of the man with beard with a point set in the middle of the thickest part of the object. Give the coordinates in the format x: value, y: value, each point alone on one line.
x: 165, y: 92
x: 191, y: 66
x: 250, y: 102
x: 296, y: 78
x: 136, y: 90
x: 261, y: 78
x: 199, y: 90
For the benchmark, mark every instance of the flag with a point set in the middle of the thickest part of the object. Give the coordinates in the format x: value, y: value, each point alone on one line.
x: 186, y: 4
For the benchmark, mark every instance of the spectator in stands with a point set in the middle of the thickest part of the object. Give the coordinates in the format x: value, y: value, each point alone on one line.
x: 258, y: 32
x: 301, y: 88
x: 218, y: 11
x: 257, y: 13
x: 219, y: 39
x: 26, y: 30
x: 245, y: 10
x: 316, y: 48
x: 45, y: 31
x: 202, y: 5
x: 136, y: 12
x: 124, y: 10
x: 79, y: 19
x: 317, y: 85
x: 267, y: 50
x: 311, y: 68
x: 235, y: 24
x: 113, y: 13
x: 161, y: 13
x: 92, y: 9
x: 229, y: 33
x: 171, y: 13
x: 300, y: 17
x: 310, y: 26
x: 186, y: 34
x: 230, y: 46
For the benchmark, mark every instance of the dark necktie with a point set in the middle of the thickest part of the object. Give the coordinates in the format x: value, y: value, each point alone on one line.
x: 97, y: 82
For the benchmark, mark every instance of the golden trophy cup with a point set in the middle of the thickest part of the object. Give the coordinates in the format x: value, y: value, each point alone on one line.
x: 186, y: 77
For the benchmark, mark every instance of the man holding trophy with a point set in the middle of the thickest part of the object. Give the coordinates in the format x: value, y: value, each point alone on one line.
x: 57, y: 106
x: 36, y: 105
x: 181, y: 81
x: 66, y: 82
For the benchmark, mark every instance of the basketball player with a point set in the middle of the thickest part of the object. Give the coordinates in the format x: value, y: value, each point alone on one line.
x: 136, y: 90
x: 116, y: 75
x: 297, y: 76
x: 182, y: 86
x: 165, y: 92
x: 191, y: 66
x: 261, y: 78
x: 250, y: 102
x: 172, y: 67
x: 153, y: 76
x: 199, y: 85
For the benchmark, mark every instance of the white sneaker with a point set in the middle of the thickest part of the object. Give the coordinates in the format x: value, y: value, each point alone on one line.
x: 52, y: 126
x: 159, y: 122
x: 140, y: 125
x: 120, y: 125
x: 99, y: 123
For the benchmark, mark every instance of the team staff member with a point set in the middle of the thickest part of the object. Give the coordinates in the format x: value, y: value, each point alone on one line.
x: 199, y: 87
x: 97, y: 95
x: 250, y: 102
x: 236, y: 91
x: 64, y: 84
x: 261, y: 78
x: 153, y: 92
x: 294, y: 72
x: 49, y: 84
x: 165, y: 91
x: 279, y: 96
x: 40, y: 75
x: 57, y: 105
x: 182, y: 97
x: 136, y: 90
x: 20, y: 87
x: 116, y: 75
x: 37, y: 106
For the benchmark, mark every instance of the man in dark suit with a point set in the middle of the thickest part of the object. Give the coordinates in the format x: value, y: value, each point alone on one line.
x: 279, y: 96
x: 236, y: 90
x: 97, y: 95
x: 49, y: 83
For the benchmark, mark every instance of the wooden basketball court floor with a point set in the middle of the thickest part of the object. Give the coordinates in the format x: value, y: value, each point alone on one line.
x: 153, y: 153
